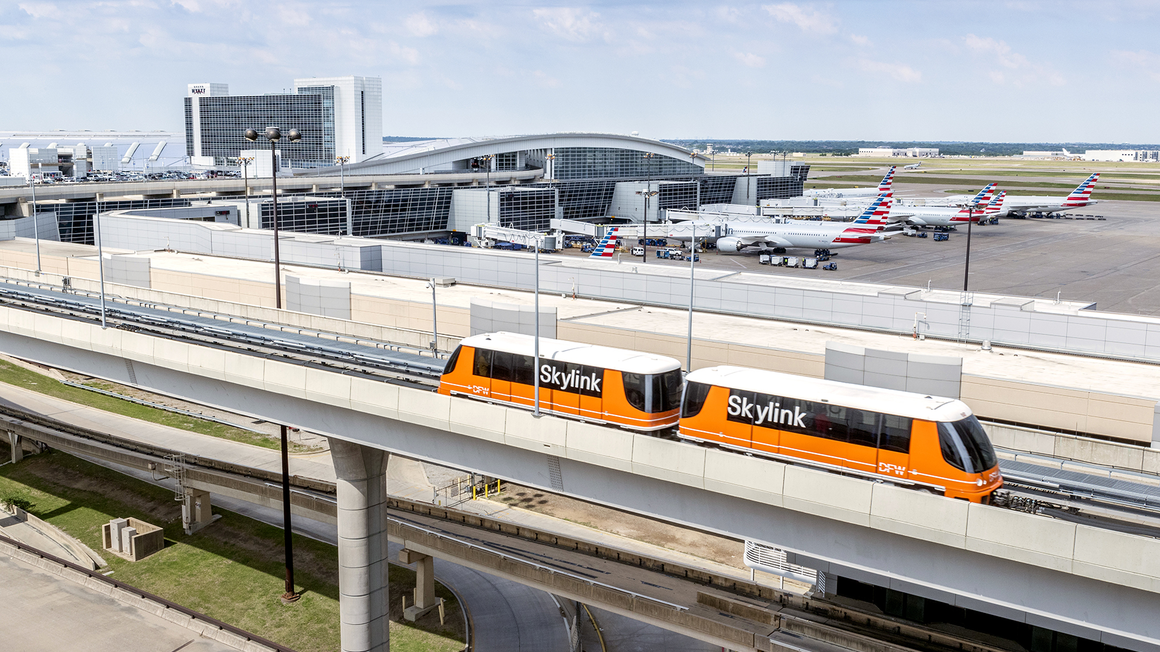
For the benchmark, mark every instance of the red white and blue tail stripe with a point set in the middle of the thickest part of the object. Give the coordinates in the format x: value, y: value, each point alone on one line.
x: 985, y: 195
x: 876, y: 213
x: 996, y: 204
x: 1082, y: 195
x: 886, y: 186
x: 607, y: 246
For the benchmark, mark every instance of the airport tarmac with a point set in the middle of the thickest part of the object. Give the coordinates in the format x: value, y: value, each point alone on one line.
x: 1113, y: 262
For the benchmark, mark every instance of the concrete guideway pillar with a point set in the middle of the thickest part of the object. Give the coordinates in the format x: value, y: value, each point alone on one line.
x: 425, y: 599
x: 362, y: 546
x: 14, y: 444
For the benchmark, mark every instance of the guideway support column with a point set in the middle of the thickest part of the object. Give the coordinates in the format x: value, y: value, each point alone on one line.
x: 425, y: 599
x: 362, y: 546
x: 14, y: 444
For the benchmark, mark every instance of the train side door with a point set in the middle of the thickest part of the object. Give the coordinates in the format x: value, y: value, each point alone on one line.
x: 481, y: 374
x: 568, y: 400
x: 523, y: 380
x: 861, y: 449
x: 502, y: 370
x: 736, y: 423
x: 894, y: 447
x: 592, y: 393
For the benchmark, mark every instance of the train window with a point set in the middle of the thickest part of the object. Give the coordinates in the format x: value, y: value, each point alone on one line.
x: 740, y: 407
x: 450, y: 366
x: 634, y: 389
x: 895, y: 434
x: 965, y: 445
x: 482, y: 366
x: 694, y: 399
x: 862, y: 427
x: 592, y: 383
x: 525, y: 370
x: 502, y: 366
x: 666, y: 391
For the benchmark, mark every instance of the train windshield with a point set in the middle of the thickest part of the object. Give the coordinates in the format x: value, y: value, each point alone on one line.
x: 965, y: 445
x: 450, y: 367
x: 653, y: 392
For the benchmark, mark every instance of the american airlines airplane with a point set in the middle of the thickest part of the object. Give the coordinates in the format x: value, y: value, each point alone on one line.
x: 755, y: 236
x: 1080, y: 197
x: 980, y: 198
x: 884, y: 188
x: 948, y: 216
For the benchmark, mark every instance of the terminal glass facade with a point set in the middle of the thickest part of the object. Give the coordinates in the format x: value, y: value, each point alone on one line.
x: 223, y: 121
x: 616, y: 163
x: 75, y: 219
x: 308, y: 215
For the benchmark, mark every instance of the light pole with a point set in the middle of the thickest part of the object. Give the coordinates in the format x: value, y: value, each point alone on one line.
x: 536, y: 383
x: 647, y: 191
x: 273, y: 134
x: 245, y: 161
x: 35, y: 226
x: 486, y: 158
x: 342, y: 160
x: 434, y: 320
x: 548, y: 162
x: 692, y: 280
x: 748, y: 173
x: 967, y: 262
x: 100, y: 264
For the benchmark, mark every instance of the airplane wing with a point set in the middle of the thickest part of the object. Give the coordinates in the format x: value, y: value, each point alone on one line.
x: 767, y: 239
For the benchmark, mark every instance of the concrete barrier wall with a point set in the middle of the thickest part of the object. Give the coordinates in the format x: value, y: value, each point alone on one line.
x: 1057, y: 545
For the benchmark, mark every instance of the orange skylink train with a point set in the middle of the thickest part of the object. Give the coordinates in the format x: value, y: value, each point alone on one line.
x: 907, y: 439
x: 634, y: 390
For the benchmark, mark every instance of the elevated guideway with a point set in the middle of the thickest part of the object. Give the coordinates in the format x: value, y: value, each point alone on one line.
x: 1076, y: 578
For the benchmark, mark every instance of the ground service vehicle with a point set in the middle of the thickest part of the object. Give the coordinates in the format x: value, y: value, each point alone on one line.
x: 638, y: 251
x: 907, y: 439
x: 634, y: 390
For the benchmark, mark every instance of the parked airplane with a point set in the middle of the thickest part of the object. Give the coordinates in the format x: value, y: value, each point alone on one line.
x: 912, y: 166
x: 948, y: 216
x: 755, y: 236
x: 980, y: 198
x: 1080, y: 197
x: 607, y: 246
x: 884, y: 188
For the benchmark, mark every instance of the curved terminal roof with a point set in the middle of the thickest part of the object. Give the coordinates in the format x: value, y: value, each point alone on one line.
x: 413, y: 157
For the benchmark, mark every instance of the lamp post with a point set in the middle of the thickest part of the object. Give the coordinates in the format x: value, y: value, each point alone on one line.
x: 342, y: 161
x: 35, y: 226
x: 245, y: 161
x: 434, y: 320
x: 536, y: 382
x: 692, y: 280
x: 748, y: 173
x: 967, y: 262
x: 486, y: 158
x: 647, y: 191
x: 274, y: 134
x: 100, y: 264
x: 549, y: 162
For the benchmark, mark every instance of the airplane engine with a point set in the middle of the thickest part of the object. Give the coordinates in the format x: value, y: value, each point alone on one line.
x: 729, y: 245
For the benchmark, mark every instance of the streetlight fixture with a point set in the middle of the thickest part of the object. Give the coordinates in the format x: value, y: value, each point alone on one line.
x: 342, y: 161
x: 434, y: 320
x: 748, y: 173
x: 246, y: 161
x: 274, y: 134
x: 536, y: 381
x: 692, y: 281
x: 647, y: 193
x: 35, y: 226
x: 486, y: 158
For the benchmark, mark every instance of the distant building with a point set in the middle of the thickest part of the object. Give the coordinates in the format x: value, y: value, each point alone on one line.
x: 42, y: 162
x: 1139, y: 155
x: 912, y: 152
x: 338, y: 116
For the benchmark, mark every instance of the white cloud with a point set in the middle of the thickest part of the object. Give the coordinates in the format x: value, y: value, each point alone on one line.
x: 40, y: 9
x: 420, y: 25
x: 410, y: 55
x: 749, y: 59
x: 807, y: 20
x: 858, y: 39
x: 1148, y: 61
x: 578, y: 25
x: 1021, y: 70
x: 899, y: 71
x: 544, y: 80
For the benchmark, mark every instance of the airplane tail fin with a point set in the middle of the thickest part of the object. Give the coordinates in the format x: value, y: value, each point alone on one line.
x: 607, y: 245
x: 1082, y: 195
x: 877, y: 212
x: 996, y: 204
x: 985, y: 195
x: 887, y: 184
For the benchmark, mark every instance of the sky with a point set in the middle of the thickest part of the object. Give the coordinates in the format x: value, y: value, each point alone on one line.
x: 994, y: 71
